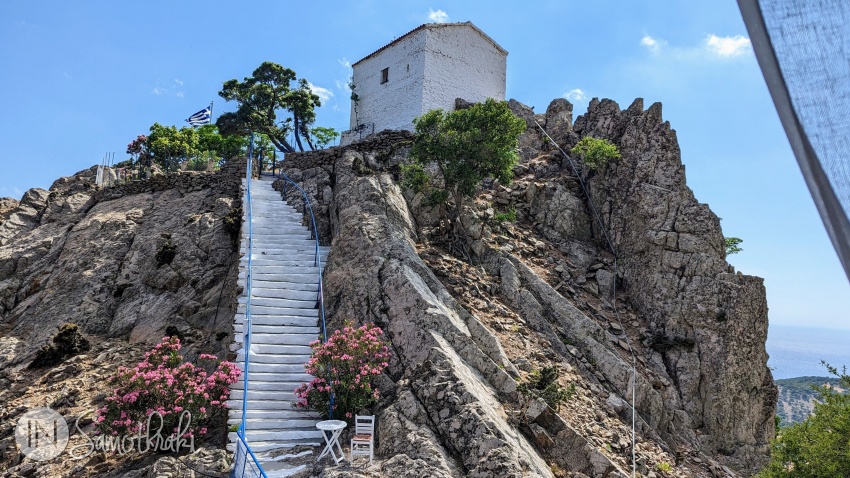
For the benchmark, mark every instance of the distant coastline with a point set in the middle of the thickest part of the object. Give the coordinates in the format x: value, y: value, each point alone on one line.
x: 797, y: 351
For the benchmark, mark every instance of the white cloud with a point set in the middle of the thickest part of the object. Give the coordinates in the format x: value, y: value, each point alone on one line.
x: 651, y: 43
x: 178, y: 82
x: 157, y: 90
x: 575, y: 94
x: 344, y: 62
x: 179, y: 94
x: 728, y: 47
x: 438, y: 16
x: 323, y: 93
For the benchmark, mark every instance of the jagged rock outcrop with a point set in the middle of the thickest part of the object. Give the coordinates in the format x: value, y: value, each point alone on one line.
x: 86, y: 255
x: 708, y: 323
x: 442, y: 351
x: 697, y: 329
x: 125, y: 262
x: 705, y: 325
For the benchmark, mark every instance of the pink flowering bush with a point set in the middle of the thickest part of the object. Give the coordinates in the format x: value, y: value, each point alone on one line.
x: 345, y: 365
x: 165, y: 384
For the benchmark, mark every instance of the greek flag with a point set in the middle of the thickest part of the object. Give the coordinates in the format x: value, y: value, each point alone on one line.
x: 199, y: 118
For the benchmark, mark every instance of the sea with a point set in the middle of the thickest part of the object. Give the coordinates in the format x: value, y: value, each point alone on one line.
x: 797, y: 351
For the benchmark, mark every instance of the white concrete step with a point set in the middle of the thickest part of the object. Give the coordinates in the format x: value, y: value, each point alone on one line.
x: 284, y: 293
x: 260, y: 310
x: 296, y: 367
x: 263, y: 404
x: 266, y: 446
x: 272, y: 350
x: 275, y: 302
x: 276, y: 320
x: 281, y: 261
x: 281, y: 338
x: 280, y: 241
x: 291, y: 276
x: 279, y: 435
x: 301, y: 421
x: 299, y: 377
x: 271, y: 414
x: 280, y: 249
x: 276, y: 339
x: 288, y: 357
x: 264, y: 257
x: 256, y: 386
x: 277, y: 329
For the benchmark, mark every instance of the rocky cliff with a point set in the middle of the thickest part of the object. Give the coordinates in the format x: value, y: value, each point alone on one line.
x: 654, y: 312
x: 539, y: 293
x: 124, y: 264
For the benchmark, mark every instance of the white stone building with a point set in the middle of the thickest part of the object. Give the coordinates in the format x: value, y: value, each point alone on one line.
x: 427, y: 68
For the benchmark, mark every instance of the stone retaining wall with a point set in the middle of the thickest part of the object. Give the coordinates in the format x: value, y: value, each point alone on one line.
x: 374, y: 143
x: 227, y: 180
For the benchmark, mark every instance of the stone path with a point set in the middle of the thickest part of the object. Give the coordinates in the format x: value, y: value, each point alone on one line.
x: 285, y: 319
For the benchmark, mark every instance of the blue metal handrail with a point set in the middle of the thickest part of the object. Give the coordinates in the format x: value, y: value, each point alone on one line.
x: 246, y: 330
x: 317, y: 262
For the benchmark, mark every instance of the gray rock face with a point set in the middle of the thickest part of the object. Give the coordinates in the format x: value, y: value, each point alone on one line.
x: 707, y: 324
x: 447, y: 364
x: 7, y: 205
x: 68, y: 256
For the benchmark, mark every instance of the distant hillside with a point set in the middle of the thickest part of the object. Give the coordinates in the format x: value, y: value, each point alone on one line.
x: 797, y: 398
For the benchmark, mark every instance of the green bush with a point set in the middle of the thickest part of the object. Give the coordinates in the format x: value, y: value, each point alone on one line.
x: 509, y: 216
x: 733, y: 245
x: 596, y: 152
x: 467, y: 146
x: 413, y: 176
x: 543, y: 384
x: 820, y: 445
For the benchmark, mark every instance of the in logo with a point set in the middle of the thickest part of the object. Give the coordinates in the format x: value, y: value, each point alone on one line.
x: 41, y: 434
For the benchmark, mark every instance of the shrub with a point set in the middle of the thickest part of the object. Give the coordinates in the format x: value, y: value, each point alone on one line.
x: 345, y: 366
x: 596, y: 152
x: 820, y: 445
x: 414, y: 176
x: 543, y: 384
x: 163, y: 383
x: 509, y: 216
x: 468, y: 145
x: 733, y: 245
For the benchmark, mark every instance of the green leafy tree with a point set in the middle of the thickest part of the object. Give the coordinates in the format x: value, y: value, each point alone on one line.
x: 170, y: 146
x: 596, y: 152
x: 732, y: 245
x: 262, y: 99
x: 820, y: 445
x: 302, y: 103
x: 323, y: 136
x: 467, y: 146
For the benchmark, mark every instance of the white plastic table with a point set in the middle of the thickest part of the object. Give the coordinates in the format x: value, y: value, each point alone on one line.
x: 335, y: 427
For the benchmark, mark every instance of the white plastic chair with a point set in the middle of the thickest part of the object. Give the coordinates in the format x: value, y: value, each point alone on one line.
x: 363, y: 441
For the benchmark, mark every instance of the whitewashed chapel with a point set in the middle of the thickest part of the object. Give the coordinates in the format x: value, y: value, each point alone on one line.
x: 427, y: 68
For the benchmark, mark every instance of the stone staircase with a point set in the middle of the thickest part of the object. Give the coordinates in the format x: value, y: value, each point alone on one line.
x: 285, y: 319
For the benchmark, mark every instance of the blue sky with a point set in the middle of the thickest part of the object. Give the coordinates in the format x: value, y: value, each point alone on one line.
x: 85, y: 78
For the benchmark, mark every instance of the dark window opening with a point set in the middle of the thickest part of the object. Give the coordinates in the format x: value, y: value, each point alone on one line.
x: 385, y: 75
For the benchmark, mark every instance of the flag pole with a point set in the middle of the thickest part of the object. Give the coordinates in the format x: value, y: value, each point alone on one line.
x: 211, y: 116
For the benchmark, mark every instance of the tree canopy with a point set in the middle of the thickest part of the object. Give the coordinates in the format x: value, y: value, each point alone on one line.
x: 733, y: 245
x: 170, y: 147
x: 263, y: 98
x: 820, y: 445
x: 467, y: 146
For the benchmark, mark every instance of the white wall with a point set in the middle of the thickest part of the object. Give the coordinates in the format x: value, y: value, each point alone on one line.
x: 428, y: 69
x: 394, y: 104
x: 460, y: 63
